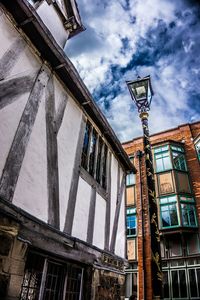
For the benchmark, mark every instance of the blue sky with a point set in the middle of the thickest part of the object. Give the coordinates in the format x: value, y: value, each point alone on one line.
x: 127, y: 38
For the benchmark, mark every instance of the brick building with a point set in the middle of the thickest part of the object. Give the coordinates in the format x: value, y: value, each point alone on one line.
x: 176, y: 154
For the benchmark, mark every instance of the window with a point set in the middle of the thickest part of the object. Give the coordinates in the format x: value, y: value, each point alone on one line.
x: 188, y: 215
x: 197, y: 147
x: 130, y: 195
x: 168, y: 210
x: 178, y: 157
x: 130, y: 179
x: 175, y: 246
x: 183, y: 182
x: 131, y: 222
x: 165, y: 183
x: 130, y: 188
x: 131, y: 249
x: 58, y: 279
x: 94, y: 155
x: 131, y: 284
x: 193, y: 246
x: 162, y: 159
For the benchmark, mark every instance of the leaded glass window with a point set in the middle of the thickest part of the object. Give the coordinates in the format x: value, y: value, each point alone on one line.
x: 51, y: 280
x: 94, y: 155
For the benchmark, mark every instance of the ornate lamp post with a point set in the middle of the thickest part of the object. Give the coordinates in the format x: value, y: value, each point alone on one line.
x: 141, y: 93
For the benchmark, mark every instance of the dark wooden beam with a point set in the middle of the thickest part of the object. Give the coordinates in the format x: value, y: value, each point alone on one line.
x: 60, y: 113
x: 52, y: 157
x: 17, y: 151
x: 117, y: 212
x: 75, y: 179
x: 10, y: 57
x: 10, y: 89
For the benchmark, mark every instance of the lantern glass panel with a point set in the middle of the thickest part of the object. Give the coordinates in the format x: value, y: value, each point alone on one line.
x: 140, y: 89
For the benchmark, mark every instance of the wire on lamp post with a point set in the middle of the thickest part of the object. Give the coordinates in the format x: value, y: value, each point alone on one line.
x: 141, y: 92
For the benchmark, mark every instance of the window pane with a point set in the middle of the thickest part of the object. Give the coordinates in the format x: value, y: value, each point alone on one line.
x: 54, y: 283
x: 98, y: 169
x: 165, y: 183
x: 104, y: 167
x: 198, y: 279
x: 175, y: 246
x: 175, y: 288
x: 131, y: 224
x: 165, y: 218
x: 131, y: 249
x: 162, y: 161
x: 85, y: 146
x: 197, y: 146
x: 129, y: 285
x: 166, y: 284
x: 130, y: 195
x: 183, y: 287
x: 183, y: 182
x: 169, y: 215
x: 159, y: 165
x: 192, y: 244
x: 130, y: 179
x: 193, y: 283
x: 92, y: 152
x: 179, y: 161
x: 167, y: 163
x: 173, y: 217
x: 32, y: 277
x: 188, y: 215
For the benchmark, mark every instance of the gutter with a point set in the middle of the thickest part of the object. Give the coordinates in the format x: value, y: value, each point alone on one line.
x: 31, y: 24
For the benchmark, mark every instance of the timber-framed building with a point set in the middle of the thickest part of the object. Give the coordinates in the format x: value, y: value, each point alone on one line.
x: 62, y: 168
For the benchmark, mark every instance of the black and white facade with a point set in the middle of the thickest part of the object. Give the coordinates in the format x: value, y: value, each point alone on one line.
x: 62, y: 169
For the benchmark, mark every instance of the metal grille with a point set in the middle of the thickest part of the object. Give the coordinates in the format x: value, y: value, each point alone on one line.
x: 73, y: 282
x: 54, y: 283
x: 45, y: 279
x: 32, y: 277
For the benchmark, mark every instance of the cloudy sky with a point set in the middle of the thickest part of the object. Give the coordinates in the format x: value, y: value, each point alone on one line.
x: 127, y: 38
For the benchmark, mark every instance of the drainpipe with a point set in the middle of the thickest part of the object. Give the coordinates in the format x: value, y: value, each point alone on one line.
x: 139, y: 155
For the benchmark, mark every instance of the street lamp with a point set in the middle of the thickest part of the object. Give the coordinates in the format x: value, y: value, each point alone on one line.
x: 141, y: 92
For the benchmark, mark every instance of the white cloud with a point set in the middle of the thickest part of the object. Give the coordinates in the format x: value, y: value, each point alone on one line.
x: 113, y: 32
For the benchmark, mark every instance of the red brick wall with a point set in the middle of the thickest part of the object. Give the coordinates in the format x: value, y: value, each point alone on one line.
x: 185, y: 134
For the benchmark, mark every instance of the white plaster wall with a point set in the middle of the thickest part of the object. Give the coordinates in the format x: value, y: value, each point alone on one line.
x: 114, y: 171
x: 10, y: 116
x: 67, y: 142
x: 99, y: 222
x: 27, y: 62
x: 121, y: 234
x: 81, y: 213
x: 8, y: 33
x: 51, y: 19
x: 31, y: 190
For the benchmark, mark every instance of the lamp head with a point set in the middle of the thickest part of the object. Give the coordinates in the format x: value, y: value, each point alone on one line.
x: 141, y: 92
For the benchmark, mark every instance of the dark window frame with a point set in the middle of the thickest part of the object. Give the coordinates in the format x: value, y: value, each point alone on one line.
x: 96, y: 166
